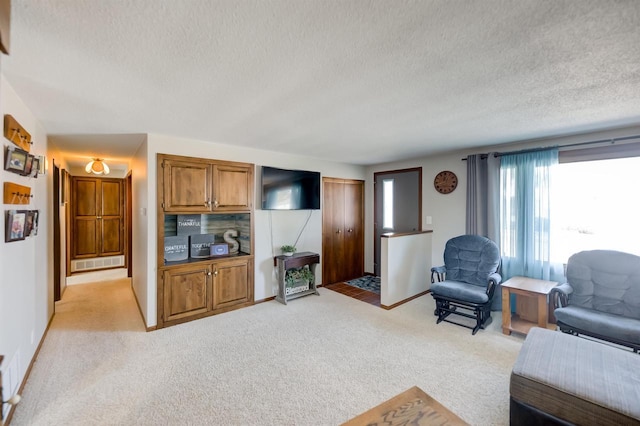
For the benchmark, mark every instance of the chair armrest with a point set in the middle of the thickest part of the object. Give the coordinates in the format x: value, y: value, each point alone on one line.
x: 439, y: 271
x: 494, y: 280
x: 560, y: 295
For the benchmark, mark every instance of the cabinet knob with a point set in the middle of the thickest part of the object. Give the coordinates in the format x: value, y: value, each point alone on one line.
x: 350, y: 230
x: 339, y: 231
x: 215, y: 203
x: 215, y: 273
x: 208, y: 273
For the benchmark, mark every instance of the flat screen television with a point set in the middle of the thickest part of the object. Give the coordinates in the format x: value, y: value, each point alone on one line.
x: 290, y: 189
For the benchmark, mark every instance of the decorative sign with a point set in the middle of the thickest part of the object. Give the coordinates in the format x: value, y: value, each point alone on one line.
x: 176, y: 248
x: 303, y: 285
x: 200, y: 245
x: 188, y: 224
x: 229, y: 238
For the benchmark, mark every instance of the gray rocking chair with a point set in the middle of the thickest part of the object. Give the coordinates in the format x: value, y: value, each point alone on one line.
x: 467, y: 282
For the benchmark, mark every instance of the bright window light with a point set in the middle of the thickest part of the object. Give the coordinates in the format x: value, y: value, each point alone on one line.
x: 595, y: 206
x: 387, y: 202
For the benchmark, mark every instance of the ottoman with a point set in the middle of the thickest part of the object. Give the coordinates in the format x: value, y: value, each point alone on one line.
x: 564, y: 379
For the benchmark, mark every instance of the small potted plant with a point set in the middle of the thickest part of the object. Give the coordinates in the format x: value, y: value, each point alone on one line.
x: 288, y: 250
x: 296, y: 277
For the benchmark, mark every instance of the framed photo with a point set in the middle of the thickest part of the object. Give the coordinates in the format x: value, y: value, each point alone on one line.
x: 15, y: 224
x: 16, y: 160
x: 35, y: 214
x: 35, y: 168
x: 28, y: 165
x: 42, y: 162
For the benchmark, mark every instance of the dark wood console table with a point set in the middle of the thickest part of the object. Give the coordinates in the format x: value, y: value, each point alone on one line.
x: 298, y: 260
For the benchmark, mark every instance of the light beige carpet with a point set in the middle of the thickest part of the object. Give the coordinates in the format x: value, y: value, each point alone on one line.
x: 319, y: 360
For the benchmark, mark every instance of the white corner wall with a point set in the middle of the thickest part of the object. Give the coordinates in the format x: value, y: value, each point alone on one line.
x: 26, y: 267
x: 282, y: 226
x: 405, y: 267
x: 141, y: 253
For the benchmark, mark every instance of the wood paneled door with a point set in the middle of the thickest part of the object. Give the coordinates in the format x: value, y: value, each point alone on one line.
x: 342, y: 230
x: 97, y: 208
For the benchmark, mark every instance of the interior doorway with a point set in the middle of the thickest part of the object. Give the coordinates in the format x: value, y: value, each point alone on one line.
x: 397, y: 205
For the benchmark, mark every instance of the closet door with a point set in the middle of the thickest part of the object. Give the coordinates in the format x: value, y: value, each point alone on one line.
x: 332, y: 227
x: 342, y: 230
x: 353, y: 265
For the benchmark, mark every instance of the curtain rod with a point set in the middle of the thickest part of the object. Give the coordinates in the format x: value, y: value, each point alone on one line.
x: 611, y: 140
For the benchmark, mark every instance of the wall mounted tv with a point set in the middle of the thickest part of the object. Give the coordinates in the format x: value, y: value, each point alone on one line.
x: 290, y: 189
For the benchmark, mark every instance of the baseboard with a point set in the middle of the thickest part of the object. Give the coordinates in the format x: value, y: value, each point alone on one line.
x: 268, y: 299
x: 135, y: 297
x: 402, y: 302
x: 28, y: 372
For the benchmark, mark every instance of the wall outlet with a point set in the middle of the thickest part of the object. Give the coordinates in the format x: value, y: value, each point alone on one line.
x: 429, y: 220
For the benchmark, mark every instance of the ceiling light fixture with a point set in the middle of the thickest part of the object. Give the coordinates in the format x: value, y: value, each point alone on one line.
x: 97, y: 166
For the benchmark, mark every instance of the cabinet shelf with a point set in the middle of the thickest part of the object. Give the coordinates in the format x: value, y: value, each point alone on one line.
x: 209, y: 259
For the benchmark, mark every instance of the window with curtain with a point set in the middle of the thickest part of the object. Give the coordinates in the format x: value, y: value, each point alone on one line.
x: 525, y: 214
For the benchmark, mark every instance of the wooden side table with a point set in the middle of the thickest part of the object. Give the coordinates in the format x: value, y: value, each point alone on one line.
x: 530, y: 288
x: 296, y: 261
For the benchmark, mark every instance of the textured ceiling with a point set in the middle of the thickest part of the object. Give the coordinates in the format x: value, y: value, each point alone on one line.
x: 354, y: 81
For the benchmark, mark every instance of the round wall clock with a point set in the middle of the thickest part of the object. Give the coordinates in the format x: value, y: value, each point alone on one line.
x: 445, y: 182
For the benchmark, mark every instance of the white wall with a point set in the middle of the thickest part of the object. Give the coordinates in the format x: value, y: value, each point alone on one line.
x: 448, y: 212
x: 26, y: 267
x: 405, y: 267
x: 285, y: 225
x: 141, y: 254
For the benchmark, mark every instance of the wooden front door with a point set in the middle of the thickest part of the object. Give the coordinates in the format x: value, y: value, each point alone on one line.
x: 97, y: 206
x: 342, y: 230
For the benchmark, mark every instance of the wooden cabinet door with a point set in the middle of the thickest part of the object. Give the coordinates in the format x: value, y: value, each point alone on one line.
x: 342, y: 230
x: 187, y: 186
x: 186, y: 292
x: 232, y: 187
x: 98, y: 217
x: 231, y: 282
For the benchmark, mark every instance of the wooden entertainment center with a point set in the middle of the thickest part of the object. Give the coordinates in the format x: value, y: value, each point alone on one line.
x: 221, y: 195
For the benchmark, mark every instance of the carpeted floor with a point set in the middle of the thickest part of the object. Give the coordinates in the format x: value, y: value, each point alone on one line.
x: 368, y: 282
x: 319, y: 360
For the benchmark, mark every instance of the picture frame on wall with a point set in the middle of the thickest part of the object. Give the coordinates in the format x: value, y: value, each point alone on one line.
x: 16, y: 160
x: 35, y: 168
x: 28, y: 165
x: 15, y: 221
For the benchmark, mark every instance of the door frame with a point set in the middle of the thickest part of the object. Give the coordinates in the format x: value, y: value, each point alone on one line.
x: 128, y: 185
x: 57, y: 256
x: 376, y: 241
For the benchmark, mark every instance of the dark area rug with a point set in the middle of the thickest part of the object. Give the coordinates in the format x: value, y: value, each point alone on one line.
x: 368, y: 282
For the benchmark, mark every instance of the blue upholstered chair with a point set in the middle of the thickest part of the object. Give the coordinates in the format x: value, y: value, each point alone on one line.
x: 601, y: 297
x: 466, y: 283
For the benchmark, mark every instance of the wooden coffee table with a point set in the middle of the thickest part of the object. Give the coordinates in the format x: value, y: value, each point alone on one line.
x: 537, y: 290
x: 411, y: 407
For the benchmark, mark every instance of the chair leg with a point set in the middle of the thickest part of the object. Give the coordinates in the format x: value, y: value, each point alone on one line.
x: 441, y: 310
